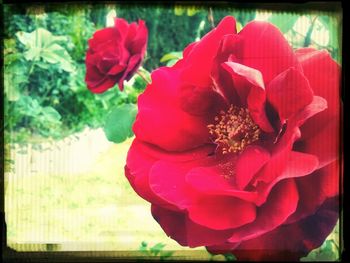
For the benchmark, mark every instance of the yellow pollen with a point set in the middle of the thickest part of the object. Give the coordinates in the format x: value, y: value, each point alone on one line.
x: 233, y: 130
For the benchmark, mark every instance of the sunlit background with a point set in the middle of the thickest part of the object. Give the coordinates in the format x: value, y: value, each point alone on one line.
x: 65, y: 188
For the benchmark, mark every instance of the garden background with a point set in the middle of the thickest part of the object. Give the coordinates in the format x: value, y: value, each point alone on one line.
x: 65, y: 147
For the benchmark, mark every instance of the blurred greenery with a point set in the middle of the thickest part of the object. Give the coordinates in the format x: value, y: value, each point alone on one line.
x: 45, y: 46
x: 156, y: 250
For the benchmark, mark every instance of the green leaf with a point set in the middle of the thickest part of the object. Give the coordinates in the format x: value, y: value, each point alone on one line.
x: 42, y: 65
x: 230, y: 257
x: 32, y: 54
x: 327, y: 252
x: 172, y: 55
x: 39, y: 38
x: 157, y: 248
x: 239, y: 26
x: 41, y: 44
x: 29, y: 106
x: 283, y: 21
x: 119, y: 122
x: 51, y: 115
x: 57, y: 54
x: 27, y: 39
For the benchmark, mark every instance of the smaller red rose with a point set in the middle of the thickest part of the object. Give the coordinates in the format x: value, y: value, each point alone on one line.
x: 114, y: 54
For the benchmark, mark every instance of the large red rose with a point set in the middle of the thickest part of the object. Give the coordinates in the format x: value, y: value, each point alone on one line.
x: 237, y: 145
x: 114, y: 54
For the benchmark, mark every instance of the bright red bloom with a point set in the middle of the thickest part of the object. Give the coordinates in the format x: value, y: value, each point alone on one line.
x: 237, y: 145
x: 114, y: 54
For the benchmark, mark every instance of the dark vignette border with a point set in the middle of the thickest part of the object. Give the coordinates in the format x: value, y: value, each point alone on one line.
x: 10, y: 255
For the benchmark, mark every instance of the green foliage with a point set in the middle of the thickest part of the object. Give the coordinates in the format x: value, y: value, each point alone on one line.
x: 44, y: 58
x: 230, y: 257
x: 171, y: 58
x: 119, y: 122
x: 330, y: 249
x: 155, y: 251
x: 41, y: 44
x: 44, y: 71
x: 284, y: 21
x: 332, y: 24
x: 327, y: 252
x: 13, y: 79
x: 189, y: 10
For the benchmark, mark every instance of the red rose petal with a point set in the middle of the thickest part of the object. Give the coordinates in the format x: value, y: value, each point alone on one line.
x: 138, y: 166
x: 293, y: 241
x: 223, y: 248
x: 222, y: 80
x: 173, y: 223
x: 288, y: 93
x: 200, y: 101
x: 296, y: 165
x: 188, y: 49
x: 161, y: 120
x: 213, y: 211
x: 319, y: 130
x: 317, y: 105
x: 198, y: 235
x: 280, y: 204
x: 160, y: 154
x: 203, y: 52
x: 187, y: 233
x: 248, y: 164
x: 138, y: 43
x: 323, y: 74
x: 266, y: 50
x: 97, y: 82
x: 281, y: 150
x: 250, y: 88
x: 324, y: 184
x: 167, y: 180
x: 122, y: 26
x: 325, y: 126
x: 143, y: 168
x: 132, y: 66
x: 209, y: 180
x: 116, y: 69
x: 279, y: 157
x: 103, y: 37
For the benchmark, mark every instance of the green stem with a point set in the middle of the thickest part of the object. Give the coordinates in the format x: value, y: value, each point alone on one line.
x: 31, y: 69
x: 143, y: 76
x: 307, y: 40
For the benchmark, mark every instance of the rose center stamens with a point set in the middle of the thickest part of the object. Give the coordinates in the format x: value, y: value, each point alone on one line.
x: 233, y: 130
